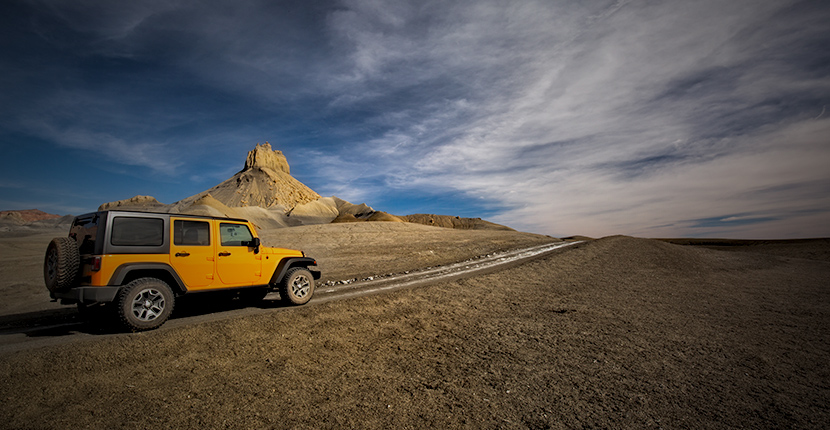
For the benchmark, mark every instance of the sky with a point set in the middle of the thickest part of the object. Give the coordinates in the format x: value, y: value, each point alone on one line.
x: 669, y: 118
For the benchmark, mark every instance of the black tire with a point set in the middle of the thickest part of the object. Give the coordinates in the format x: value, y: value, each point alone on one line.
x: 62, y: 264
x: 297, y: 287
x: 144, y: 304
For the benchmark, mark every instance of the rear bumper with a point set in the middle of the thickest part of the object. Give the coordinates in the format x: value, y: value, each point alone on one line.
x: 87, y: 295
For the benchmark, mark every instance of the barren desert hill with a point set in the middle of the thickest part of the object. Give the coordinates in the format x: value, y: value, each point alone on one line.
x: 617, y: 332
x: 265, y: 193
x: 147, y: 203
x: 577, y: 237
x: 810, y: 249
x: 26, y: 216
x: 265, y: 181
x: 453, y: 222
x: 22, y: 221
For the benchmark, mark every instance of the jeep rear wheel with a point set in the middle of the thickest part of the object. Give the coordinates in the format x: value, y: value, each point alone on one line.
x: 61, y: 265
x: 144, y: 304
x: 297, y: 287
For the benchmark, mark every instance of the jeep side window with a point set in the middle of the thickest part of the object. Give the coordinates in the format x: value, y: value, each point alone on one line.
x: 235, y: 234
x: 191, y: 233
x: 132, y: 231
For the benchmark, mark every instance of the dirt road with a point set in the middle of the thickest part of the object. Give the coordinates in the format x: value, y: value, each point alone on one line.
x: 60, y: 326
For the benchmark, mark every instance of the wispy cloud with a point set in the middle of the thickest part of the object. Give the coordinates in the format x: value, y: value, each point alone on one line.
x: 155, y: 156
x: 623, y: 120
x: 648, y: 118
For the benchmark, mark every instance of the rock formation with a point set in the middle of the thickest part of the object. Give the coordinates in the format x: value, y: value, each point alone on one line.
x: 265, y: 193
x: 146, y: 203
x: 265, y: 181
x: 263, y: 157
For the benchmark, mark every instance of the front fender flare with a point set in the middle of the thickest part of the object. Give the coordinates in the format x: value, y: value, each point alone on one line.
x: 287, y: 263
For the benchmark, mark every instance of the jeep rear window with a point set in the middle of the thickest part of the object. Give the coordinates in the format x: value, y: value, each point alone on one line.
x: 235, y: 234
x: 191, y: 233
x: 85, y: 230
x: 131, y: 231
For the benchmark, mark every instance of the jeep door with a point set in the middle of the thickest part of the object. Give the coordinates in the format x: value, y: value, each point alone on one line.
x: 192, y: 253
x: 237, y: 262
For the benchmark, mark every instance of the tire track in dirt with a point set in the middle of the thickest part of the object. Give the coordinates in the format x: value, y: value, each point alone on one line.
x: 486, y: 264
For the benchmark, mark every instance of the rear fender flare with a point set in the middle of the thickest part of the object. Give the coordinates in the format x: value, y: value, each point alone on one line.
x: 124, y: 270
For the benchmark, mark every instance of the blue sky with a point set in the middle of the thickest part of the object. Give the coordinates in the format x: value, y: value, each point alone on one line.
x: 646, y: 118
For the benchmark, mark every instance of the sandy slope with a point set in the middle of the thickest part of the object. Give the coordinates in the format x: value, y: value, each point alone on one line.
x: 356, y: 250
x: 619, y: 332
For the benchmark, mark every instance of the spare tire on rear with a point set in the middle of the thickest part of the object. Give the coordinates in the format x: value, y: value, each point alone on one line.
x: 61, y: 265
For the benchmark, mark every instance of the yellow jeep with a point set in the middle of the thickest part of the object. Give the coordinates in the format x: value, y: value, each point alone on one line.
x: 139, y: 262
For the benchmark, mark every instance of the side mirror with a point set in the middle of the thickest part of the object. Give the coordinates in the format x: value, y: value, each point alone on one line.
x: 254, y: 243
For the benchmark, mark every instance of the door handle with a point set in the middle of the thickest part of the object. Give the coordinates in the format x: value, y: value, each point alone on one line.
x: 182, y: 254
x: 224, y: 254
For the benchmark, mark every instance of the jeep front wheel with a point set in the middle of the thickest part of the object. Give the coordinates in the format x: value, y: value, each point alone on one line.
x: 144, y: 304
x: 297, y: 287
x: 61, y: 265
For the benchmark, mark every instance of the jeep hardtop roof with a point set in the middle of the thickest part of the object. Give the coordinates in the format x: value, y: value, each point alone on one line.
x: 91, y: 229
x: 179, y: 215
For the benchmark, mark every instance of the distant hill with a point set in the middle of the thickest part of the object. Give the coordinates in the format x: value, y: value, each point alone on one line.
x: 27, y: 219
x: 265, y: 193
x: 454, y: 222
x: 26, y: 216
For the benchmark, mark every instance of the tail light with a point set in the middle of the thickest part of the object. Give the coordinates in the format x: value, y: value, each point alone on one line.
x: 96, y: 264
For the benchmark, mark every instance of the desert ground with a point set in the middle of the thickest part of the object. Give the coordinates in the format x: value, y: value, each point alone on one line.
x: 617, y: 332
